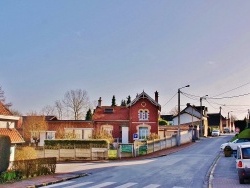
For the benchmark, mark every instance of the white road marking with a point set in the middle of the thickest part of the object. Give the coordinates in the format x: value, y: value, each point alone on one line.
x: 103, y: 185
x: 126, y: 185
x: 57, y: 184
x: 152, y: 186
x: 78, y: 185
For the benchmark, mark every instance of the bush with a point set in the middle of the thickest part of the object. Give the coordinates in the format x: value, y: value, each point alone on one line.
x: 153, y: 136
x: 10, y: 176
x: 5, y: 144
x: 25, y: 153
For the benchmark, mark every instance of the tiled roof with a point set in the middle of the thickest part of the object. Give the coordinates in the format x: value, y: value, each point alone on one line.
x: 104, y: 114
x: 4, y: 110
x: 14, y: 135
x: 56, y: 125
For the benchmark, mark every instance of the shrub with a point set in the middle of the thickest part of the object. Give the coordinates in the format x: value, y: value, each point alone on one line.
x: 5, y: 144
x: 102, y: 134
x: 153, y: 136
x: 10, y: 175
x: 25, y: 153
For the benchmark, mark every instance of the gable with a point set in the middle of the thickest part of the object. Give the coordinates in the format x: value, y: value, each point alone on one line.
x: 144, y: 95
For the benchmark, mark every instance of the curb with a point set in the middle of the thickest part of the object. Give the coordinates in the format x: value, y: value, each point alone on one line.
x: 57, y: 181
x: 210, y: 173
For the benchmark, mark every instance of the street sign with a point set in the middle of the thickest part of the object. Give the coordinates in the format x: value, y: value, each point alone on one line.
x: 135, y: 136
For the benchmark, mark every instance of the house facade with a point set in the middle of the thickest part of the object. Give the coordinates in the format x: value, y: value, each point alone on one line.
x: 135, y: 121
x: 192, y: 115
x: 36, y: 129
x: 216, y: 121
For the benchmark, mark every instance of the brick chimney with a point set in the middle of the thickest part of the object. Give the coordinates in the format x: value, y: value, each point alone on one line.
x: 100, y: 102
x: 156, y: 96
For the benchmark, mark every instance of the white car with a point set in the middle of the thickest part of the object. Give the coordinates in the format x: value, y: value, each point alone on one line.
x: 215, y: 133
x: 243, y: 162
x: 235, y: 143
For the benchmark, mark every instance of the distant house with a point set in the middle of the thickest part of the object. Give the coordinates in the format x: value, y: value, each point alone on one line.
x: 216, y: 121
x: 79, y: 129
x: 137, y: 120
x: 192, y: 115
x: 50, y: 128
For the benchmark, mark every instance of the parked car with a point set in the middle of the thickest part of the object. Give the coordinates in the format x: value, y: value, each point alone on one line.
x: 215, y: 133
x: 243, y: 162
x: 226, y: 130
x: 235, y: 143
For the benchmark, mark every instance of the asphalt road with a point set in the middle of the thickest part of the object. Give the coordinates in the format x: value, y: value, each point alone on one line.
x: 187, y: 168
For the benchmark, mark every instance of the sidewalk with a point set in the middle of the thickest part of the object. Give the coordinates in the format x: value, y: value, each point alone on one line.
x: 224, y: 174
x: 64, y: 176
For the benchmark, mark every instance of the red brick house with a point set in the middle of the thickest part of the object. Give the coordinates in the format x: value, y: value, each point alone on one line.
x: 137, y: 119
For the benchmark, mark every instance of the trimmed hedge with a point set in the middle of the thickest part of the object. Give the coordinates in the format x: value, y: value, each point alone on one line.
x: 70, y: 144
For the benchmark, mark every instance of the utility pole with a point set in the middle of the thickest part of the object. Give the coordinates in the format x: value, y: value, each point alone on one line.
x: 229, y: 123
x: 204, y: 97
x: 179, y: 120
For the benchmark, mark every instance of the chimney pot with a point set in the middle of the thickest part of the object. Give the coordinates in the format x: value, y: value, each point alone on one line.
x: 156, y: 96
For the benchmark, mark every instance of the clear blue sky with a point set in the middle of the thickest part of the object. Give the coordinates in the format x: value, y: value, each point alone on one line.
x: 121, y: 48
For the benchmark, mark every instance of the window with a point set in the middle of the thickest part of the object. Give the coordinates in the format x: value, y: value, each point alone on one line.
x: 108, y: 129
x: 143, y: 115
x: 50, y: 135
x: 143, y: 132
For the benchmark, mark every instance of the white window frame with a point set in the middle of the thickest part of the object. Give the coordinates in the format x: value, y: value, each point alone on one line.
x: 143, y: 114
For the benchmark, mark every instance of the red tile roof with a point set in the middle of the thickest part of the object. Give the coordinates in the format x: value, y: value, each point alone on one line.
x: 56, y: 125
x: 4, y: 110
x: 103, y: 113
x: 14, y: 135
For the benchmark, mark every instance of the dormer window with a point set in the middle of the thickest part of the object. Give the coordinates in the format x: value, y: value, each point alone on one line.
x: 108, y: 110
x: 143, y: 114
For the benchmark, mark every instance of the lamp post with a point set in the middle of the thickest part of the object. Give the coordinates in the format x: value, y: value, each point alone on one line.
x: 204, y: 97
x: 229, y: 124
x: 179, y: 109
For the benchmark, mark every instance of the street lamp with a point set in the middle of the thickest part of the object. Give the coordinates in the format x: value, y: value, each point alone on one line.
x: 204, y: 97
x: 179, y: 109
x: 229, y: 124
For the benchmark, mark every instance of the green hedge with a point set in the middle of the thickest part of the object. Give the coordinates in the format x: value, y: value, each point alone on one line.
x: 70, y: 144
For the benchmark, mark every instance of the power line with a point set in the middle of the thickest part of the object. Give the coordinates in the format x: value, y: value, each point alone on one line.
x: 169, y: 100
x: 230, y: 96
x: 232, y: 89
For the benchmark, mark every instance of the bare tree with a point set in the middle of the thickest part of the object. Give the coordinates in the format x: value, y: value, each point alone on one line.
x: 77, y: 101
x: 15, y: 112
x: 2, y: 99
x: 174, y: 111
x: 33, y: 125
x: 59, y: 108
x: 48, y: 110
